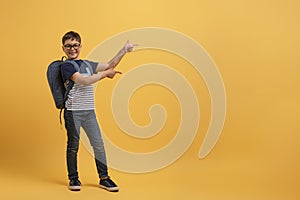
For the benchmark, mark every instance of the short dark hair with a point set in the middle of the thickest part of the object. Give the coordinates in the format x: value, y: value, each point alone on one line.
x: 71, y: 35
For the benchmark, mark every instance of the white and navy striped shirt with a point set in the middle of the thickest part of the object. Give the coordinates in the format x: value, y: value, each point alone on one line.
x: 80, y: 97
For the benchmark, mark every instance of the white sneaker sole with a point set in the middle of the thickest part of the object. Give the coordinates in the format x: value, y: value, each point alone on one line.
x: 111, y: 189
x: 75, y: 188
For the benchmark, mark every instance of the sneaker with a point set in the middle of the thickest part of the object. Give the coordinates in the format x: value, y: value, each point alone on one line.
x: 74, y: 185
x: 108, y: 185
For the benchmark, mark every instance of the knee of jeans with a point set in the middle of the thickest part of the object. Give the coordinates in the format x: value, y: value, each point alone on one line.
x: 97, y: 143
x: 99, y: 149
x: 73, y: 147
x: 72, y: 151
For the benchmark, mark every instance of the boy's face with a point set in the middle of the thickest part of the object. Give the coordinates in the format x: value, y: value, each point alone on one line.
x: 72, y: 49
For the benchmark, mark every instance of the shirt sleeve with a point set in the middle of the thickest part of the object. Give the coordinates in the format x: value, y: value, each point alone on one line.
x: 67, y: 70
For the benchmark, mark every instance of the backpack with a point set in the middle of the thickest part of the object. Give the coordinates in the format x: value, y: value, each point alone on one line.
x: 58, y: 87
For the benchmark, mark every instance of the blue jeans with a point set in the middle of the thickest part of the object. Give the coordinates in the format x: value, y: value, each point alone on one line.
x: 87, y: 120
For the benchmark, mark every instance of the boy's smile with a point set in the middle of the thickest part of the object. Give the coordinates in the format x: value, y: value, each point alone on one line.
x: 72, y: 49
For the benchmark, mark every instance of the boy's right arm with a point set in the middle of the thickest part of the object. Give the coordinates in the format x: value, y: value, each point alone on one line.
x: 88, y: 80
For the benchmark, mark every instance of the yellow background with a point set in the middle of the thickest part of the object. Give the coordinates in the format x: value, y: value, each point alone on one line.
x: 255, y: 45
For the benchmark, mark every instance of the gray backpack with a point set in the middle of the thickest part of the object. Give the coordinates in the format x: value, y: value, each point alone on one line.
x: 58, y: 87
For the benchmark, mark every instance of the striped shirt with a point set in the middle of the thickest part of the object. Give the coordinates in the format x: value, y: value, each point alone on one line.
x: 80, y: 97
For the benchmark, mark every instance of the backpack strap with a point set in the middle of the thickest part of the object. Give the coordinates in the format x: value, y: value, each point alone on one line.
x: 86, y: 62
x: 73, y: 63
x: 60, y: 121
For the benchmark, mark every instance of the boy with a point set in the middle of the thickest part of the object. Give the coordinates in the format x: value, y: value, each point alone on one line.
x: 79, y: 108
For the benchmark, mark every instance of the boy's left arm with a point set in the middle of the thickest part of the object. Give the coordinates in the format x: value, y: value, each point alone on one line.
x: 128, y: 47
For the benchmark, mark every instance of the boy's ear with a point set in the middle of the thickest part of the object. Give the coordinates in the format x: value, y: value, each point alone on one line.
x: 63, y: 49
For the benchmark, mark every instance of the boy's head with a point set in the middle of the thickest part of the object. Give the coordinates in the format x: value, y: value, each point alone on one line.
x: 72, y: 45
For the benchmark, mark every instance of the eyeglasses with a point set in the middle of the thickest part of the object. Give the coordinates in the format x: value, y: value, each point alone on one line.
x: 69, y: 46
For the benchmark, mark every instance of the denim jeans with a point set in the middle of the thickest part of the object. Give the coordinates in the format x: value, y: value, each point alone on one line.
x: 87, y: 120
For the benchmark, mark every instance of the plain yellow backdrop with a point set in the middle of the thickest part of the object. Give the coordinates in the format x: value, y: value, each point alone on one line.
x: 255, y: 45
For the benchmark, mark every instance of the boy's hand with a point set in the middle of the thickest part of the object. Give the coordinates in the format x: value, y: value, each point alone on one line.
x: 128, y: 47
x: 110, y: 73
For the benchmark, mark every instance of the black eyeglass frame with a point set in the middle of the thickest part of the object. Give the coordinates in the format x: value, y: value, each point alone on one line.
x: 69, y: 46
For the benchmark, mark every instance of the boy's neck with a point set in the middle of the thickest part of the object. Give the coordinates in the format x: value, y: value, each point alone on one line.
x: 74, y: 59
